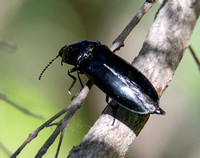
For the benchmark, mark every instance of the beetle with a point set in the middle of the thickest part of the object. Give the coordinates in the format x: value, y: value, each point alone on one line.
x: 117, y: 78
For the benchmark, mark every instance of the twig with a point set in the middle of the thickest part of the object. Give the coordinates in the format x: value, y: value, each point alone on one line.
x: 34, y: 134
x: 25, y: 111
x: 75, y: 104
x: 194, y: 56
x: 119, y: 41
x: 59, y: 129
x: 59, y: 144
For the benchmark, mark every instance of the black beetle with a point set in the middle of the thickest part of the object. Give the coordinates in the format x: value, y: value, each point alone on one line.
x: 114, y: 76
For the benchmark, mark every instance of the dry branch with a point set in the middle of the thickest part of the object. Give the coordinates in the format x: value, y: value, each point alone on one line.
x: 194, y: 56
x: 119, y: 41
x: 61, y: 125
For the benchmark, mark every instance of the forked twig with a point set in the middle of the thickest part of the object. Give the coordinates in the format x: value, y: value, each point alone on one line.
x: 59, y: 129
x: 76, y: 103
x: 34, y: 134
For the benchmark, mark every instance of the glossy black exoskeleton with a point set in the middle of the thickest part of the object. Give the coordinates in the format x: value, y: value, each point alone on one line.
x: 113, y: 75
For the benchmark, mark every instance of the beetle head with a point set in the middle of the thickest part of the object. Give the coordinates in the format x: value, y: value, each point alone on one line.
x: 74, y: 53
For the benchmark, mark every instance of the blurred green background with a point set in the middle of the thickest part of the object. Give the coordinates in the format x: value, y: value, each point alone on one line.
x: 39, y: 29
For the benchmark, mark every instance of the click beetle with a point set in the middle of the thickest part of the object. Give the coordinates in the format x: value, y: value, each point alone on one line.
x: 117, y: 78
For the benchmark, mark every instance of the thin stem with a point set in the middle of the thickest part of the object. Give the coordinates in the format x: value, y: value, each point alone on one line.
x: 194, y: 56
x: 119, y: 41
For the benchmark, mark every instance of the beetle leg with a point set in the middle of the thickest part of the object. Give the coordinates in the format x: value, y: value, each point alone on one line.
x: 107, y: 99
x: 78, y: 72
x: 114, y: 108
x: 74, y: 78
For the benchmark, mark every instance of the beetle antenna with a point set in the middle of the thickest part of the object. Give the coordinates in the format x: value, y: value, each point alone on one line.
x: 47, y: 66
